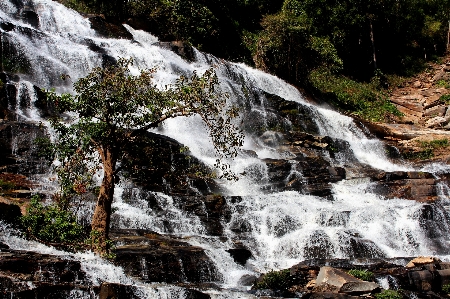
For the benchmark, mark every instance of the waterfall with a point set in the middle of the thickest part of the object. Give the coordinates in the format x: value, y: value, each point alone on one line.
x: 279, y: 228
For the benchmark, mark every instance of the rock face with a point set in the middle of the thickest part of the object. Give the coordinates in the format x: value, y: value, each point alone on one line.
x: 18, y: 151
x: 322, y: 278
x: 32, y: 275
x: 155, y: 258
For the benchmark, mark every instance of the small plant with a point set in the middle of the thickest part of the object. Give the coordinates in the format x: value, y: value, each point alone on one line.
x: 51, y: 223
x: 434, y: 144
x: 446, y: 288
x: 275, y: 280
x: 445, y: 98
x: 421, y: 155
x: 361, y: 274
x: 388, y: 294
x: 6, y: 186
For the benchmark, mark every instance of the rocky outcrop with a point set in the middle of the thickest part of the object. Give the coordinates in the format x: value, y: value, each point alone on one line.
x: 180, y: 48
x: 155, y: 258
x: 419, y: 186
x: 159, y: 163
x: 32, y: 275
x: 18, y: 150
x: 342, y: 282
x: 320, y: 278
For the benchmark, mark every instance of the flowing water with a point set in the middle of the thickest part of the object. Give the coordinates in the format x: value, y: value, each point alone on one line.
x: 281, y: 228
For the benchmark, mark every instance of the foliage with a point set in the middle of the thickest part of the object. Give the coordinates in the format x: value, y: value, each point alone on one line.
x: 292, y: 38
x: 434, y: 144
x: 362, y: 274
x: 113, y: 107
x: 445, y: 98
x: 388, y: 294
x: 363, y: 99
x: 275, y: 280
x: 419, y: 155
x: 51, y: 223
x: 446, y: 288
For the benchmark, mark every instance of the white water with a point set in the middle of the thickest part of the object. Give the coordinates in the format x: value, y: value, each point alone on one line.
x: 281, y: 228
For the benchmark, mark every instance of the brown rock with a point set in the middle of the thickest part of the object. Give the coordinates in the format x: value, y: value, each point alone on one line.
x: 334, y: 277
x: 410, y: 102
x: 408, y: 111
x: 438, y: 110
x: 421, y: 280
x: 422, y: 260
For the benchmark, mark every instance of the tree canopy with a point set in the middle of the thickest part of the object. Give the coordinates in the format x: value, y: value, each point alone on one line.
x: 112, y: 107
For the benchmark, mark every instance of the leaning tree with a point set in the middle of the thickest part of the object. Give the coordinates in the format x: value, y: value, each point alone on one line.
x: 111, y: 107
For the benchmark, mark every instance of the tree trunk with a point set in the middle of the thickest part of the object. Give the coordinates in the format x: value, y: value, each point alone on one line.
x: 102, y: 214
x: 448, y: 37
x: 373, y: 47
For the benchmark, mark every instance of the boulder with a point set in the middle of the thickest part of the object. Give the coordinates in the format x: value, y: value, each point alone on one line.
x: 422, y: 260
x: 421, y: 280
x: 359, y: 287
x: 334, y: 277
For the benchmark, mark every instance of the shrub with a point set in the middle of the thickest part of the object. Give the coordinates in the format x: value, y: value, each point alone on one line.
x: 445, y: 98
x: 366, y: 100
x: 51, y: 223
x: 388, y: 294
x: 275, y: 280
x: 361, y: 274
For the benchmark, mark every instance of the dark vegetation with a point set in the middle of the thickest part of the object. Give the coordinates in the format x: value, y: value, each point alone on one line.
x: 345, y: 52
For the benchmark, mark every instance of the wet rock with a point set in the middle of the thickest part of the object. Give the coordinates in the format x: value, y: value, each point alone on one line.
x: 240, y: 255
x: 107, y: 29
x: 32, y: 275
x: 30, y: 17
x: 182, y: 49
x: 419, y: 186
x: 421, y: 280
x: 18, y: 152
x: 159, y: 163
x: 10, y: 214
x: 247, y: 280
x: 300, y: 116
x: 360, y: 287
x: 309, y: 175
x: 154, y: 258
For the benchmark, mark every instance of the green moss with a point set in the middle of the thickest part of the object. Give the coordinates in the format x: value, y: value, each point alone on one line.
x: 388, y: 294
x: 362, y: 274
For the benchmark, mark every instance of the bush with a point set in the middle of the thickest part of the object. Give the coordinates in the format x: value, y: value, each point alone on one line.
x: 389, y: 294
x: 362, y: 274
x: 274, y: 280
x: 51, y: 223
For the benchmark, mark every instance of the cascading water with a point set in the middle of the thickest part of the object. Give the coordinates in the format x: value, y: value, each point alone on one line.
x: 280, y: 228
